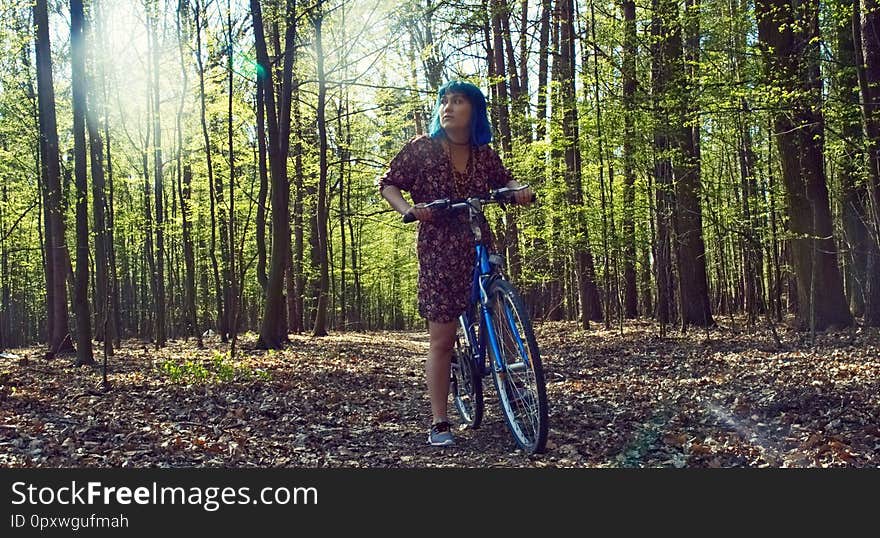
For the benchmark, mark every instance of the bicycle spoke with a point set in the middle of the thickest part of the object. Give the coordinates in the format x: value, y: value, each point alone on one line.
x: 466, y: 386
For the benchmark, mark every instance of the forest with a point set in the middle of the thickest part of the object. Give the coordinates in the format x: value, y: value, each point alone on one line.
x: 189, y: 200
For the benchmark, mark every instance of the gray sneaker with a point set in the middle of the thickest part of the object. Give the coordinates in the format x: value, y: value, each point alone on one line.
x: 440, y: 435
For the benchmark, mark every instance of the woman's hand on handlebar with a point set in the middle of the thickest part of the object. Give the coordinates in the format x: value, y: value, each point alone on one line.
x: 419, y: 212
x: 524, y: 196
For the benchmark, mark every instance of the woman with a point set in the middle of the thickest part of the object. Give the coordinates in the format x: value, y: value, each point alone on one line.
x: 453, y: 161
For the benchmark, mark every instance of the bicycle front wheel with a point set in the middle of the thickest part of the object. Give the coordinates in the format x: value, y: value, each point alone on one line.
x: 517, y: 370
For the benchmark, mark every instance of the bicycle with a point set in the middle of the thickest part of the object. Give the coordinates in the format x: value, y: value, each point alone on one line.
x: 496, y: 321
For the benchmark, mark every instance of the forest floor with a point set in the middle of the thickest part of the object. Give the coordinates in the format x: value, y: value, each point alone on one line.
x: 726, y: 398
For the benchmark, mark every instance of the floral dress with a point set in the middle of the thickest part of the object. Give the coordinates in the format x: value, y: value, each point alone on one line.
x: 445, y: 243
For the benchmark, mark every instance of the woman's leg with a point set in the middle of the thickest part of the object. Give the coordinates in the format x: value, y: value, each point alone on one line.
x: 442, y: 339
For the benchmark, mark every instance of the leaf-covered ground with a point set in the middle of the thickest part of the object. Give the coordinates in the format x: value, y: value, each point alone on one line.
x: 731, y: 398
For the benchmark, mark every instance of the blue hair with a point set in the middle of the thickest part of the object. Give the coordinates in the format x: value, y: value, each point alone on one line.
x: 481, y: 130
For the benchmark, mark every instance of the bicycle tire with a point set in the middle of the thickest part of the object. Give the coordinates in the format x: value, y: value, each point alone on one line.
x: 521, y: 389
x: 466, y: 384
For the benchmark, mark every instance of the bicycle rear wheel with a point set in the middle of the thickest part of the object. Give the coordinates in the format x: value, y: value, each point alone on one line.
x: 522, y: 392
x: 466, y: 384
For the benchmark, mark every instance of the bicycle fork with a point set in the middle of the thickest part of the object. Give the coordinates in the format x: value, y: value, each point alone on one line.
x: 494, y: 345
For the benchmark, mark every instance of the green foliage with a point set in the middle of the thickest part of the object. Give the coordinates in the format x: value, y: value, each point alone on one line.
x: 219, y: 368
x: 379, y: 94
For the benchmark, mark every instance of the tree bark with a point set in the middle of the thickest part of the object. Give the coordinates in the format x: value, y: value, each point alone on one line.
x: 543, y: 68
x: 296, y: 322
x: 278, y: 122
x: 788, y: 36
x: 58, y: 332
x: 184, y: 188
x: 232, y: 301
x: 218, y: 288
x: 693, y: 286
x: 103, y: 291
x: 264, y: 188
x: 588, y: 293
x: 320, y: 327
x: 866, y: 20
x: 78, y: 88
x: 630, y: 51
x: 158, y: 187
x: 853, y: 214
x: 664, y: 52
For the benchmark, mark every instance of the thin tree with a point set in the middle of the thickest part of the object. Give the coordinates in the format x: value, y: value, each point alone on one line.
x: 296, y: 315
x: 262, y: 279
x: 630, y: 50
x: 158, y: 178
x: 198, y: 15
x: 588, y: 293
x: 278, y: 123
x: 320, y: 328
x: 78, y: 87
x: 232, y: 311
x: 103, y: 286
x: 866, y: 32
x: 184, y: 188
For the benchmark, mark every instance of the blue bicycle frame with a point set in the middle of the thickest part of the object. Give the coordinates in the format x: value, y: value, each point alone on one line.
x: 482, y: 278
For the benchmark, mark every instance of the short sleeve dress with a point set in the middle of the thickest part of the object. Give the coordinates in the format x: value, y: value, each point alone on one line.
x: 445, y: 244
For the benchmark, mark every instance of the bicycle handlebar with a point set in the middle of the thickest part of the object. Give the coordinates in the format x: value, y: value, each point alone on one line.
x: 498, y: 196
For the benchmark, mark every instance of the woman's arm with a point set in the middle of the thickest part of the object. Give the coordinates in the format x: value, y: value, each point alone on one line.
x: 399, y: 203
x: 395, y: 198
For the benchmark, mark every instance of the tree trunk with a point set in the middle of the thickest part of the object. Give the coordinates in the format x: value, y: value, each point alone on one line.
x: 431, y: 60
x: 543, y: 67
x: 846, y: 88
x: 523, y: 97
x: 230, y: 270
x: 189, y: 256
x: 505, y: 230
x: 116, y: 325
x: 159, y: 279
x: 588, y: 293
x: 4, y: 278
x: 78, y: 88
x: 218, y: 288
x: 184, y: 188
x: 788, y: 36
x: 99, y: 200
x: 866, y: 20
x: 58, y: 332
x: 278, y: 122
x: 664, y: 52
x: 320, y: 328
x: 630, y: 50
x: 693, y: 286
x: 264, y: 188
x: 146, y: 308
x: 606, y: 208
x: 751, y: 230
x: 296, y: 322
